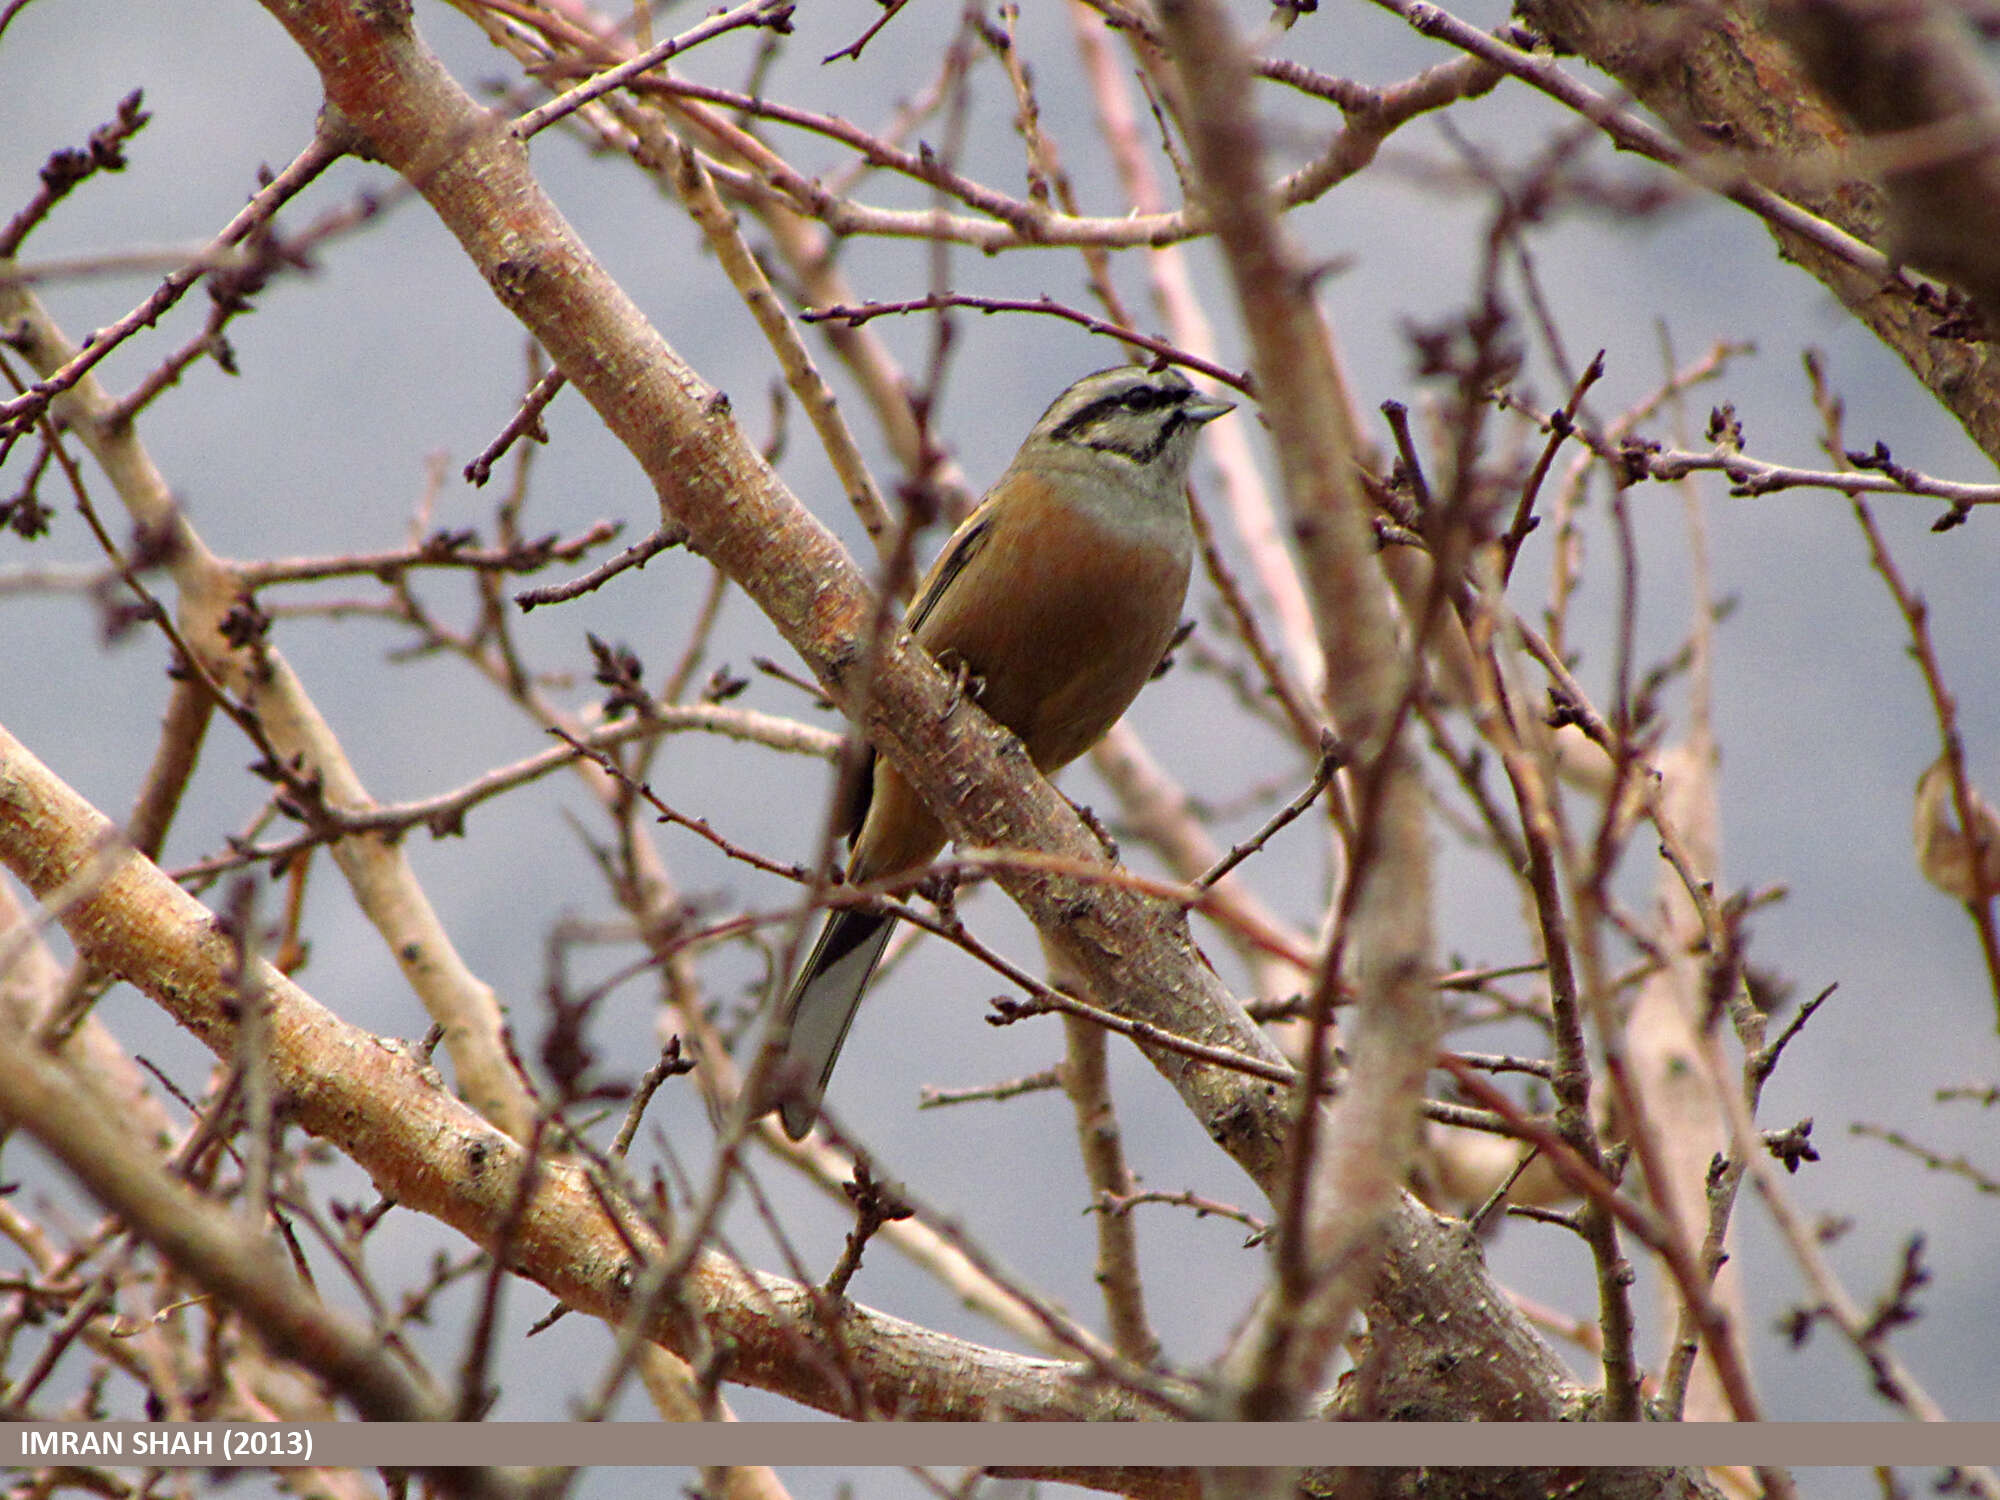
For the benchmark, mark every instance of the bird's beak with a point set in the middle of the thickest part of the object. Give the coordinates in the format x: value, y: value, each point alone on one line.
x: 1206, y: 409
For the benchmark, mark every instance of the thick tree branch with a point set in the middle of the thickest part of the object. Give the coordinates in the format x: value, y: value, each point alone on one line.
x: 1717, y: 76
x: 739, y: 516
x: 382, y: 1105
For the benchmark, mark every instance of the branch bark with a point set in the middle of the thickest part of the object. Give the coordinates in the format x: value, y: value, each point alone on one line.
x: 376, y: 1101
x: 1717, y: 74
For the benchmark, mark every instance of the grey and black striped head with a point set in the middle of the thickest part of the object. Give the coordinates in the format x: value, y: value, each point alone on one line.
x: 1142, y: 417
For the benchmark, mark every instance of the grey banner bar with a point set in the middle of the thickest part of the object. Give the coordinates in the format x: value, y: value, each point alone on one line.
x: 411, y: 1444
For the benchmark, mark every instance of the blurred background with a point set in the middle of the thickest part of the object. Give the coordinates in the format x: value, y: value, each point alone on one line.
x: 390, y: 361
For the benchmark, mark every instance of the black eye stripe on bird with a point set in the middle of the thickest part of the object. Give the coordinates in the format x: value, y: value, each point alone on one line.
x: 1139, y: 452
x: 1151, y: 396
x: 1059, y: 594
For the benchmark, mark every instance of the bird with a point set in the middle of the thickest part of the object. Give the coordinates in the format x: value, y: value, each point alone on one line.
x: 1056, y: 601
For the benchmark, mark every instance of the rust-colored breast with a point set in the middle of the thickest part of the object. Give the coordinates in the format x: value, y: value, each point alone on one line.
x: 1058, y: 620
x: 1061, y: 619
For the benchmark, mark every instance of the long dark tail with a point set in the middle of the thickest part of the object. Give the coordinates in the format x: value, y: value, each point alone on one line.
x: 821, y: 1007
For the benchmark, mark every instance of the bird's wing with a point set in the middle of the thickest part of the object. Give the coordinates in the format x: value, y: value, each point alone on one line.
x: 964, y: 545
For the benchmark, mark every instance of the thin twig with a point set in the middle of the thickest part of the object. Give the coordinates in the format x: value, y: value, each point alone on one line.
x: 773, y: 13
